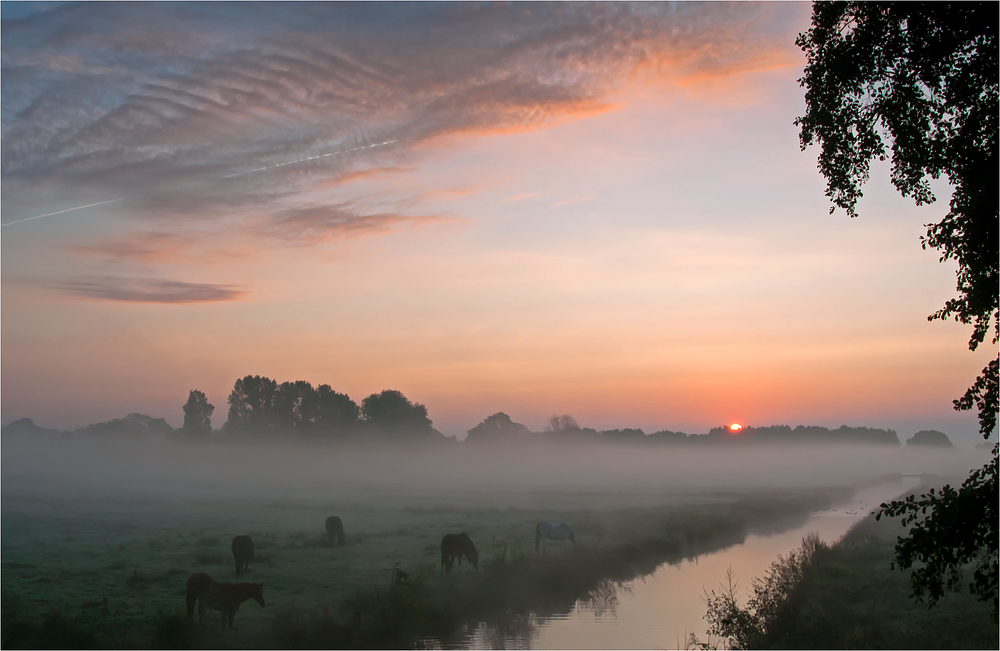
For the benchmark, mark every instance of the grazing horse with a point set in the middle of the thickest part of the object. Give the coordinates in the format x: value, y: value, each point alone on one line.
x: 224, y: 597
x: 553, y: 532
x: 335, y: 529
x: 457, y: 545
x: 242, y: 553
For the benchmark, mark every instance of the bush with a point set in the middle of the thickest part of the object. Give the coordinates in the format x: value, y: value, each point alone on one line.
x: 746, y: 627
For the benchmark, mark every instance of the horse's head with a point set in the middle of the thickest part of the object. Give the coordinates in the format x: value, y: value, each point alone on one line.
x: 258, y: 593
x: 474, y: 557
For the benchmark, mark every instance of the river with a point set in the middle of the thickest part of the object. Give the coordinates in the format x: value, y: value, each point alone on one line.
x: 661, y: 610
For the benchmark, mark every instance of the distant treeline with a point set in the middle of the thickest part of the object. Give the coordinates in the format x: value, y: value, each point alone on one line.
x: 260, y: 409
x: 499, y: 428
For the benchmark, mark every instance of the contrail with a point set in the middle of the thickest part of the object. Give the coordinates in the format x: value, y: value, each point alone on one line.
x: 303, y: 160
x: 59, y: 212
x: 228, y: 176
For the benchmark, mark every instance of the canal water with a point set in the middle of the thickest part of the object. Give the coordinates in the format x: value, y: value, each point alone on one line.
x: 663, y: 609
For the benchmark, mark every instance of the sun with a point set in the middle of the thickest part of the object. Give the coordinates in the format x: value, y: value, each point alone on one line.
x: 735, y: 427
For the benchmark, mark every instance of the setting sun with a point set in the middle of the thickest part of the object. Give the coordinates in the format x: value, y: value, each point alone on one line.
x: 735, y: 427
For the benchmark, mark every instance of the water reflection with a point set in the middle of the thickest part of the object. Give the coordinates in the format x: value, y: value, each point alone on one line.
x: 507, y: 631
x: 603, y: 599
x: 517, y: 630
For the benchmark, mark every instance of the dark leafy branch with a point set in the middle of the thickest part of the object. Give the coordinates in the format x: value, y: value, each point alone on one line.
x: 949, y: 528
x: 917, y: 83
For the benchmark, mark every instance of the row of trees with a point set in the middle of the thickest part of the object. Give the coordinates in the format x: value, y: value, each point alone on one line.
x: 500, y: 429
x: 259, y: 407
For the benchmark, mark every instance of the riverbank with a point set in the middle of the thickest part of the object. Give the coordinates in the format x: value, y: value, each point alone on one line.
x: 849, y: 598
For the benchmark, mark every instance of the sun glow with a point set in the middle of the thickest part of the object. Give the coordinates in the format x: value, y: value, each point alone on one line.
x: 735, y: 427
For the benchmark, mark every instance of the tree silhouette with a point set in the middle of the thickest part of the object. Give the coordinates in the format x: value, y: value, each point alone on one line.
x: 291, y: 405
x: 251, y: 406
x: 197, y: 414
x: 561, y: 423
x: 498, y: 428
x: 923, y: 78
x: 565, y: 429
x: 132, y: 426
x: 391, y: 414
x: 331, y: 414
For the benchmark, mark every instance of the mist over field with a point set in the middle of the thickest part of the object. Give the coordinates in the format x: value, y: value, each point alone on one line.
x: 307, y: 475
x: 106, y: 529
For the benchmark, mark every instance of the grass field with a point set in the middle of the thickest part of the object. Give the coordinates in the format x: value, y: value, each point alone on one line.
x: 120, y: 569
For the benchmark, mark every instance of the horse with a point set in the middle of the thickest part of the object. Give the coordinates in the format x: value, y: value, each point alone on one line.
x: 242, y: 553
x: 457, y: 545
x: 553, y: 532
x: 335, y: 529
x: 224, y: 597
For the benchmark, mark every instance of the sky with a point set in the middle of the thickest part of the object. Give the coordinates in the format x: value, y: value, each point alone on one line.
x: 599, y: 210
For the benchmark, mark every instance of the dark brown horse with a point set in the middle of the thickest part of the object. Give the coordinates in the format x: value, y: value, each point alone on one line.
x: 224, y: 597
x: 457, y: 545
x: 335, y: 529
x: 242, y: 553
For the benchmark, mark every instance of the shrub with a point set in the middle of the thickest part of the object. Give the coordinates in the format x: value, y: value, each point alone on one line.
x: 746, y: 626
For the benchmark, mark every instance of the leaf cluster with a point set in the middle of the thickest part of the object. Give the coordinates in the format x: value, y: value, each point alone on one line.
x: 917, y: 82
x: 949, y: 529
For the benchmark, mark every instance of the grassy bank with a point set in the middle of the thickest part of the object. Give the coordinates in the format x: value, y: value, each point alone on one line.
x: 849, y: 598
x: 88, y: 574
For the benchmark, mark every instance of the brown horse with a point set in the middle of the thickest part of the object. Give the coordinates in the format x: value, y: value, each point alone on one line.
x: 335, y: 529
x: 242, y: 553
x: 224, y: 597
x: 457, y: 545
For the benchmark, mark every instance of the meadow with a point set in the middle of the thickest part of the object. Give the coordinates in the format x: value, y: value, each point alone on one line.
x: 96, y: 547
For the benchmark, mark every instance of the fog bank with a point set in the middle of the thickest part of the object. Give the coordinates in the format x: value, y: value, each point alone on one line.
x: 83, y: 469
